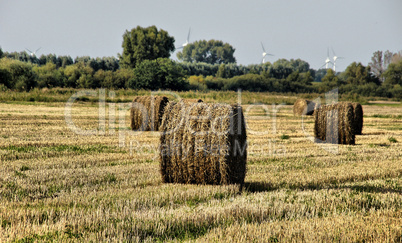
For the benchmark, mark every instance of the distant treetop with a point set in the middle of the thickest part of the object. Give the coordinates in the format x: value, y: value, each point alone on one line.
x: 141, y: 44
x: 212, y: 52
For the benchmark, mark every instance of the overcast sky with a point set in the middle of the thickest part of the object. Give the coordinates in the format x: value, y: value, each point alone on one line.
x: 289, y: 29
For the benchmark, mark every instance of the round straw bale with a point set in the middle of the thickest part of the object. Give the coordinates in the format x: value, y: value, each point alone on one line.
x: 334, y: 124
x: 203, y: 143
x: 303, y: 107
x: 358, y: 118
x: 146, y: 112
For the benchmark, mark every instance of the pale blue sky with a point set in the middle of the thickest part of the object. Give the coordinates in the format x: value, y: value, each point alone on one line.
x: 289, y: 29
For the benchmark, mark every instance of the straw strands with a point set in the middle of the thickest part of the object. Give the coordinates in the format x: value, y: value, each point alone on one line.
x: 146, y: 112
x: 335, y: 124
x: 203, y: 144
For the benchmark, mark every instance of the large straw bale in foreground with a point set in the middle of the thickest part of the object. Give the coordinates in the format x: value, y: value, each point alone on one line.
x: 146, y: 112
x: 334, y: 124
x: 303, y: 107
x: 358, y: 118
x: 203, y: 144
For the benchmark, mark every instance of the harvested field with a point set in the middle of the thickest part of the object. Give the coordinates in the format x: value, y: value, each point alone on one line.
x: 56, y: 185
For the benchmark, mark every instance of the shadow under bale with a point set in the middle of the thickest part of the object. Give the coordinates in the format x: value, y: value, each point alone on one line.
x: 358, y: 118
x: 335, y: 124
x: 203, y: 144
x: 146, y: 112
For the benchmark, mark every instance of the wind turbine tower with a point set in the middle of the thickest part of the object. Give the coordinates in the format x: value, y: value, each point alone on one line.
x: 335, y: 58
x: 327, y: 61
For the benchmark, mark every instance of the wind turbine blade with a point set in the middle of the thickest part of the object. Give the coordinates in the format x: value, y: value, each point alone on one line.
x: 323, y: 66
x: 263, y: 47
x: 188, y: 36
x: 327, y: 51
x: 28, y: 50
x: 38, y: 49
x: 333, y: 51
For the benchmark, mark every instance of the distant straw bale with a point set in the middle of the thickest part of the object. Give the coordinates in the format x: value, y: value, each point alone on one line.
x: 203, y: 144
x: 303, y: 107
x: 358, y: 118
x: 334, y: 123
x: 146, y: 112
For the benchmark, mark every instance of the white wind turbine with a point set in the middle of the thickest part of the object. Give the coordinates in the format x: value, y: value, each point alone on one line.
x: 187, y: 40
x: 264, y: 53
x: 33, y: 53
x: 335, y: 58
x: 327, y: 61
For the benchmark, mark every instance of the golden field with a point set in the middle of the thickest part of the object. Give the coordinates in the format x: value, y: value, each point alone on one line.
x: 56, y: 185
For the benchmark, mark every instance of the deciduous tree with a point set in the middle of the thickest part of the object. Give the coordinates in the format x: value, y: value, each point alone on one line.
x: 358, y: 74
x: 393, y: 75
x: 141, y: 44
x: 379, y: 63
x: 212, y: 52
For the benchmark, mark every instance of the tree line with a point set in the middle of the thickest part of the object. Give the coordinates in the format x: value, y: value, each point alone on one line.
x: 204, y: 65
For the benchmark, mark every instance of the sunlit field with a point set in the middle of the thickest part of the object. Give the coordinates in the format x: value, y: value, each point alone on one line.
x: 57, y: 185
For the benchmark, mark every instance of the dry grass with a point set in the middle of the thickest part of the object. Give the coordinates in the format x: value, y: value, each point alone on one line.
x: 59, y: 186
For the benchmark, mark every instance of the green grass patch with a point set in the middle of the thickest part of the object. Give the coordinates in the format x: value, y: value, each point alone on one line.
x: 391, y: 128
x: 5, y: 223
x: 97, y: 148
x: 24, y: 168
x: 392, y: 140
x: 20, y: 149
x: 385, y: 104
x: 19, y: 174
x: 48, y: 237
x: 385, y: 116
x: 110, y: 178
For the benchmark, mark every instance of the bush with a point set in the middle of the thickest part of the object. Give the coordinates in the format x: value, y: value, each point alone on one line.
x: 396, y: 91
x: 161, y: 73
x: 19, y: 75
x: 3, y: 88
x: 250, y: 82
x: 213, y: 83
x: 197, y: 83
